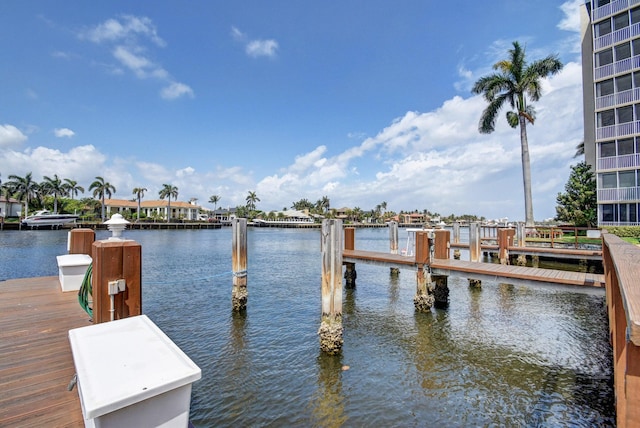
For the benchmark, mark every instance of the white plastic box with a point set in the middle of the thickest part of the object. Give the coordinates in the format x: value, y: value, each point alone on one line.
x: 130, y: 374
x: 71, y: 270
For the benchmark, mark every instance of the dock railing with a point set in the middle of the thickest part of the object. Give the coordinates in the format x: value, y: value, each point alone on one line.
x: 622, y: 278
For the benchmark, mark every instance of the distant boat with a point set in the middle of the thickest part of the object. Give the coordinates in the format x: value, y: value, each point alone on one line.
x: 46, y: 218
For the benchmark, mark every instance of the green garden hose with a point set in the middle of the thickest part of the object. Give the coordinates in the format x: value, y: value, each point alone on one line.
x: 85, y: 291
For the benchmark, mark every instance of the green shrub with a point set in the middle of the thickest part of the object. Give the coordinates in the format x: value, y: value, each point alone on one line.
x: 624, y: 231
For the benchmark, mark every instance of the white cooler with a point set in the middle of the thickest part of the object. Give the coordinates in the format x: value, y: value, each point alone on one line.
x: 130, y: 374
x: 71, y: 270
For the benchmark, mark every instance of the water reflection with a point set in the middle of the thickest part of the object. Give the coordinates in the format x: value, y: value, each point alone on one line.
x: 327, y: 404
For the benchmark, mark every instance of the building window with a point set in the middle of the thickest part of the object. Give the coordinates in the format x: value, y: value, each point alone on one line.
x: 603, y: 28
x: 606, y: 87
x: 625, y: 147
x: 635, y: 44
x: 623, y: 51
x: 608, y: 212
x: 607, y: 149
x: 623, y: 83
x: 604, y: 57
x: 600, y: 3
x: 628, y: 213
x: 608, y: 180
x: 606, y: 118
x: 635, y: 15
x: 627, y: 178
x: 621, y: 21
x: 625, y: 114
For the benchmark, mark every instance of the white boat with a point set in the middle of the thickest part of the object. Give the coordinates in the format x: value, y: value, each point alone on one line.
x: 46, y: 218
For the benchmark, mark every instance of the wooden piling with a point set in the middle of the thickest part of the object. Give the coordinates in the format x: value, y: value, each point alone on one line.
x: 393, y: 245
x: 456, y: 232
x: 114, y: 260
x: 505, y: 240
x: 521, y: 233
x: 81, y: 241
x: 441, y: 246
x: 350, y: 273
x: 423, y: 300
x: 330, y: 330
x: 475, y: 250
x: 239, y: 293
x: 440, y: 291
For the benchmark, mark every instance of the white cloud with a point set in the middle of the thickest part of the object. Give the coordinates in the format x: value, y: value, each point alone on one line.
x: 126, y: 28
x: 257, y: 48
x: 176, y: 90
x: 11, y: 136
x: 63, y: 132
x: 571, y: 20
x: 127, y: 37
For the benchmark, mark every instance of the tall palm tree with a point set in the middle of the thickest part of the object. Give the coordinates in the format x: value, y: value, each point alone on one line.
x: 54, y: 186
x: 139, y: 192
x: 72, y: 188
x: 251, y: 199
x: 167, y: 192
x: 100, y: 189
x: 214, y: 199
x: 325, y: 203
x: 23, y: 188
x: 514, y: 83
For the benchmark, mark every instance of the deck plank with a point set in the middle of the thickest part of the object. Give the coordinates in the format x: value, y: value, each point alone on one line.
x: 36, y: 363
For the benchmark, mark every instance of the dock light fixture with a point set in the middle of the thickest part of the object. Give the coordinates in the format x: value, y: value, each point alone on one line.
x: 116, y: 224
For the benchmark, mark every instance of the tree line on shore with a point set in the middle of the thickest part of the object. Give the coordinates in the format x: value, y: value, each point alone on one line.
x: 60, y: 195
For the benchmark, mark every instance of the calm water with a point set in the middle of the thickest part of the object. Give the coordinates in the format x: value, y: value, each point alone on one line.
x: 500, y: 356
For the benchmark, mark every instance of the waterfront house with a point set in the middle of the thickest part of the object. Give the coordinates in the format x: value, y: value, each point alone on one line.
x: 155, y: 208
x: 224, y: 215
x: 10, y: 207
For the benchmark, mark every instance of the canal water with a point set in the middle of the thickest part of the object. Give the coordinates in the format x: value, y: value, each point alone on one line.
x: 501, y: 356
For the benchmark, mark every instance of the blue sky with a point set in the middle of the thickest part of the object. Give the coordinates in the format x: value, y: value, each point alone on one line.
x: 360, y: 101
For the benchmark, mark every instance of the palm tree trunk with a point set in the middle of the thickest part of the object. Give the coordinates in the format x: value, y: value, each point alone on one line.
x: 169, y: 210
x: 526, y: 173
x: 103, y: 207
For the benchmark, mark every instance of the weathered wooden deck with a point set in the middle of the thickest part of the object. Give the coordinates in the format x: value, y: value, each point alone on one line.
x: 479, y: 270
x: 36, y: 364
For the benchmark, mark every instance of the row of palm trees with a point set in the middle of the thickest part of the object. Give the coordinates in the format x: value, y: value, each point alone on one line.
x: 25, y: 188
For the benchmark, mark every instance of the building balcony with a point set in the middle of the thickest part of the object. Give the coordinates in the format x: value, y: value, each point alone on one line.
x: 624, y: 194
x: 619, y: 162
x: 620, y: 130
x: 626, y: 65
x: 617, y: 36
x: 612, y: 8
x: 619, y: 98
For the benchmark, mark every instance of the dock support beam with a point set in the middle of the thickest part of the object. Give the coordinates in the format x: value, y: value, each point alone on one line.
x: 475, y: 250
x: 505, y: 240
x: 239, y: 293
x: 423, y: 300
x: 330, y: 330
x: 350, y: 273
x: 440, y: 291
x: 393, y: 245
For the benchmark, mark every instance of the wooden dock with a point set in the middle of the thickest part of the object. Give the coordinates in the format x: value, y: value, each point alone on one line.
x: 36, y: 363
x: 479, y: 270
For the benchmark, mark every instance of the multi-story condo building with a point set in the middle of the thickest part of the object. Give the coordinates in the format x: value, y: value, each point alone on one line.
x: 611, y: 88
